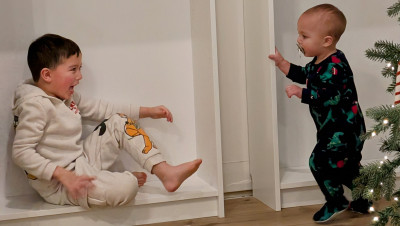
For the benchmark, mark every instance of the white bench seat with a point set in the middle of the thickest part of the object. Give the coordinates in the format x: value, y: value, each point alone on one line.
x: 152, y: 204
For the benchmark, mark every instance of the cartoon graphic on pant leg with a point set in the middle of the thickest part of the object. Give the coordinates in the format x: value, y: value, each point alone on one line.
x: 335, y: 141
x: 352, y: 113
x: 102, y: 126
x: 132, y: 130
x: 311, y: 162
x: 333, y: 100
x: 328, y: 118
x: 332, y: 190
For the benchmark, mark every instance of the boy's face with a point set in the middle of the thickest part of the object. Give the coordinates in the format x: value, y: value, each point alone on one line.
x: 64, y: 77
x: 311, y: 38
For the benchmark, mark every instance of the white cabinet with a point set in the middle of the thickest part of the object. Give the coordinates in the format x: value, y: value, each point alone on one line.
x: 145, y: 52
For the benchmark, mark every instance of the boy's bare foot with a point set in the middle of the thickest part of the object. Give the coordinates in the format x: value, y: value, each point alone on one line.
x: 141, y: 177
x: 173, y: 176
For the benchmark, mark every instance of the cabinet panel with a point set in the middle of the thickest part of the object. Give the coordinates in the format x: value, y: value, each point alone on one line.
x: 261, y: 101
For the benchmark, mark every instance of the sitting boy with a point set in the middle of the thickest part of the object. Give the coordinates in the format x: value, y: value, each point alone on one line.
x: 63, y: 168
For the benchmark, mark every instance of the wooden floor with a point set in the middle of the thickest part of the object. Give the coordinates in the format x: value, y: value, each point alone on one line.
x: 249, y: 211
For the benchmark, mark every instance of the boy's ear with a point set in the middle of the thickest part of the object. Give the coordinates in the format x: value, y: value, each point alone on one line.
x: 328, y: 40
x: 45, y: 74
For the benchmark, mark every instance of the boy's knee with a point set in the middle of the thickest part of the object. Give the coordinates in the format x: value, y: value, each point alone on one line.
x: 122, y: 192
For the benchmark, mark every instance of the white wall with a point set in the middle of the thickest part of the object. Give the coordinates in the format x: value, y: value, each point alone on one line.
x: 367, y: 22
x: 133, y: 52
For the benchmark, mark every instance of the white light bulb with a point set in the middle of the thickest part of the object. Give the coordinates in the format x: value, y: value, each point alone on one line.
x: 381, y: 183
x: 372, y: 190
x: 376, y: 218
x: 392, y: 105
x: 386, y: 157
x: 385, y: 121
x: 373, y: 134
x: 381, y: 162
x: 388, y: 64
x: 371, y: 209
x: 396, y: 199
x: 392, y: 68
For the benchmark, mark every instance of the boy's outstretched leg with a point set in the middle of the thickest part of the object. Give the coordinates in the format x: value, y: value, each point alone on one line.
x: 141, y: 177
x: 173, y: 176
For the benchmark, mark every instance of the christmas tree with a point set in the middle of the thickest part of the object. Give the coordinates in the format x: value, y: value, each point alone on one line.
x: 377, y: 179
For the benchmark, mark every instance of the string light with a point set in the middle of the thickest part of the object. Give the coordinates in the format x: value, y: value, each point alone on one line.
x: 396, y: 199
x: 388, y: 64
x: 373, y: 134
x: 385, y: 121
x: 372, y: 190
x: 392, y: 105
x: 392, y: 68
x: 371, y: 209
x: 381, y: 183
x: 376, y: 219
x: 381, y: 162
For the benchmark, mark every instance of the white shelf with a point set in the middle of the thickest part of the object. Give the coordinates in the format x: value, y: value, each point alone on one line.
x: 26, y: 206
x: 296, y: 177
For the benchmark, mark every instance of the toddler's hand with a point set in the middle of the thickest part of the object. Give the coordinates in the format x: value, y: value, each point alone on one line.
x: 294, y: 90
x: 160, y: 112
x: 277, y: 57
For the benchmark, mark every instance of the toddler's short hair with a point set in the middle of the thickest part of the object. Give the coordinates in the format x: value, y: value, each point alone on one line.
x: 332, y: 19
x: 48, y: 51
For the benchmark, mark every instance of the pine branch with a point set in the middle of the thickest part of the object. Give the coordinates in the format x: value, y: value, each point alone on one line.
x: 384, y: 51
x: 394, y: 10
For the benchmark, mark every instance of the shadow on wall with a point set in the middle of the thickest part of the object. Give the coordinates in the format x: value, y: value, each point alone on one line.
x: 16, y: 22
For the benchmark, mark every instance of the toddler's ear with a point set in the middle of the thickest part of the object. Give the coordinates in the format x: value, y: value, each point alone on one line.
x: 328, y: 41
x: 45, y: 75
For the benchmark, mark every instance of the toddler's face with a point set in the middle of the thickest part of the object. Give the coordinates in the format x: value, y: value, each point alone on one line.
x: 65, y: 77
x: 310, y: 39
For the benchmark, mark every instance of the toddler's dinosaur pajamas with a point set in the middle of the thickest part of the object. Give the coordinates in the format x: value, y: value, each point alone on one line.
x: 332, y: 98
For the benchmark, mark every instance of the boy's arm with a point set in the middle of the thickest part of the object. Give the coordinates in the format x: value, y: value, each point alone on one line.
x: 155, y: 113
x: 99, y: 110
x: 31, y: 124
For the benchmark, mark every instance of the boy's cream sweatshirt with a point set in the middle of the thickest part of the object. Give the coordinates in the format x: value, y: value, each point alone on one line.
x: 49, y: 130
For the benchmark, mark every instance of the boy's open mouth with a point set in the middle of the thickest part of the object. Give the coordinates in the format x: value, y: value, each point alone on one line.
x: 300, y: 48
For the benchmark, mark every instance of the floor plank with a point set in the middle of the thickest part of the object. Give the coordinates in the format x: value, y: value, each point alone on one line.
x: 249, y: 211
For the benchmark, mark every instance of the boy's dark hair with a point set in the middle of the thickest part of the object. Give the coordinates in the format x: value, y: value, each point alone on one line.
x: 47, y: 52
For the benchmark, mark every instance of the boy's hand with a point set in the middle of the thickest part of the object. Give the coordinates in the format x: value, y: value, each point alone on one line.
x: 280, y: 62
x: 294, y: 90
x: 156, y: 112
x: 77, y: 186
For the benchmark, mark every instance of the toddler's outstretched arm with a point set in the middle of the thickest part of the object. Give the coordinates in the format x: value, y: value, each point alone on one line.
x: 280, y: 62
x: 155, y: 113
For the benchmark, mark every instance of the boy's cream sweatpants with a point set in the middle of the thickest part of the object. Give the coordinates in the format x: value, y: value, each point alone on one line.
x: 101, y: 149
